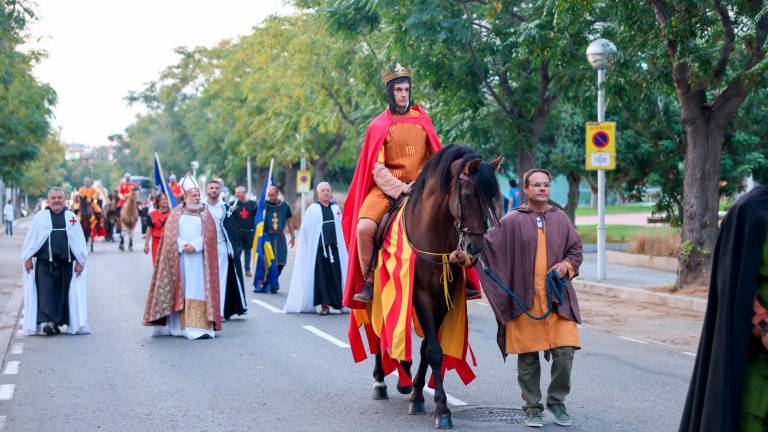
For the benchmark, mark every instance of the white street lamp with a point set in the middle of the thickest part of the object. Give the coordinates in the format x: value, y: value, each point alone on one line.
x: 600, y: 54
x: 195, y: 165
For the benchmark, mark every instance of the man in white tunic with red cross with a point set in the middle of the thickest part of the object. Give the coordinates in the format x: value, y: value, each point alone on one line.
x: 55, y: 282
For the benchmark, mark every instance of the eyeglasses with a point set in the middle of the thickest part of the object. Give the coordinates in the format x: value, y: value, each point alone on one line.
x: 539, y: 185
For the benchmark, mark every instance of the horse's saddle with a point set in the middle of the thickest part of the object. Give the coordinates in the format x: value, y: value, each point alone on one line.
x: 383, y: 229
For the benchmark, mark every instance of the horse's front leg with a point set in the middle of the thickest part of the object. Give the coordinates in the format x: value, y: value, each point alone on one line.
x: 430, y: 322
x: 416, y: 401
x: 407, y: 368
x: 379, y: 386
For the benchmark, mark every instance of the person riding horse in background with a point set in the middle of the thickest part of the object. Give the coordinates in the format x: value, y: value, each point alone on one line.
x: 125, y: 189
x: 398, y: 144
x: 87, y: 190
x: 175, y: 188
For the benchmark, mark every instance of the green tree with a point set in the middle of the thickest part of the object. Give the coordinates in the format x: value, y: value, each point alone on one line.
x: 46, y: 170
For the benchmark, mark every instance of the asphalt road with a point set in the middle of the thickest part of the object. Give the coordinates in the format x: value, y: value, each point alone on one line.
x: 272, y: 371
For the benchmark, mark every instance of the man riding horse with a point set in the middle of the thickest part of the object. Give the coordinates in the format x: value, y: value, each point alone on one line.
x: 398, y: 144
x: 447, y: 207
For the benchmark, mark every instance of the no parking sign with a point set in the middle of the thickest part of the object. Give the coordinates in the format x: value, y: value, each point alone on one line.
x: 303, y: 180
x: 600, y: 146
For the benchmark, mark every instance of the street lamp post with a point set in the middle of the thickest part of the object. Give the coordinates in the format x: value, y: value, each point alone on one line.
x: 195, y: 165
x: 600, y: 54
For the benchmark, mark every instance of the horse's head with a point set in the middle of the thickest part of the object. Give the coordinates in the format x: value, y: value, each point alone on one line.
x: 474, y: 201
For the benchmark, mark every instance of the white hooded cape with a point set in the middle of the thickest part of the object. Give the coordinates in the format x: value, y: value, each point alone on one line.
x: 301, y: 292
x: 38, y: 233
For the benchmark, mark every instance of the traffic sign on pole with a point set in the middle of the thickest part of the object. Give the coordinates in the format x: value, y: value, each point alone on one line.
x: 303, y: 180
x: 600, y: 146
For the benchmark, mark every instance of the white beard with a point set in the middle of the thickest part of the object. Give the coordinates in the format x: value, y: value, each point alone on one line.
x: 197, y: 206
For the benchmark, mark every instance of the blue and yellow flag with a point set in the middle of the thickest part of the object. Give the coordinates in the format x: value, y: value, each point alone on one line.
x: 266, y: 275
x: 161, y: 185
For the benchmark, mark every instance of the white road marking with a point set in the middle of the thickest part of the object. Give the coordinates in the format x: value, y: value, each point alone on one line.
x: 689, y: 354
x: 2, y: 422
x: 6, y: 391
x: 326, y: 336
x: 267, y: 306
x: 12, y: 367
x: 17, y: 348
x: 633, y: 339
x: 450, y: 399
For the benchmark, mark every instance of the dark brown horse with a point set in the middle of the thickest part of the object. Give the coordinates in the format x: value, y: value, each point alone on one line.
x: 453, y: 202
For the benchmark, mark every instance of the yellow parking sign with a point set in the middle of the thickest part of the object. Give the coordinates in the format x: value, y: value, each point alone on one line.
x: 303, y: 180
x: 600, y: 145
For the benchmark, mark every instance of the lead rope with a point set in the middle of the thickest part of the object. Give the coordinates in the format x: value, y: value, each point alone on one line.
x: 555, y: 287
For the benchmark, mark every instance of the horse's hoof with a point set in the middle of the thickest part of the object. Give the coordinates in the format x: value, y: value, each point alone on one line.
x: 443, y: 421
x: 404, y: 390
x: 380, y: 391
x: 416, y: 408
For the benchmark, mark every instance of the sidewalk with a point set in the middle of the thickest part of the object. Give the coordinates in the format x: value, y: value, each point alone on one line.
x: 634, y: 284
x: 11, y: 293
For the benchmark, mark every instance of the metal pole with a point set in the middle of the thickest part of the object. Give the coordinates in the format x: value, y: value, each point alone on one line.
x: 248, y: 177
x: 303, y: 166
x: 601, y: 182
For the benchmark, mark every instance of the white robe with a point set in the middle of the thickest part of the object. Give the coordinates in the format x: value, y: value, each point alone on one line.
x: 192, y: 278
x: 38, y: 233
x: 301, y: 292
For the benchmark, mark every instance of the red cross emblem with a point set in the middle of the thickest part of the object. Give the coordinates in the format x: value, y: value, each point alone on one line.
x: 72, y: 221
x: 244, y: 213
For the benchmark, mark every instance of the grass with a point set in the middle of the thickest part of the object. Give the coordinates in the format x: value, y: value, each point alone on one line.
x: 624, y: 209
x: 622, y: 233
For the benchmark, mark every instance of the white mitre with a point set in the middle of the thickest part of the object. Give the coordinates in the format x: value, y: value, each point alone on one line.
x: 188, y: 183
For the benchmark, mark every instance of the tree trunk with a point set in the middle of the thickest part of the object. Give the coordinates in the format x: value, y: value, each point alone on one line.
x: 289, y: 190
x: 701, y: 194
x: 592, y: 192
x: 318, y: 167
x: 574, y: 179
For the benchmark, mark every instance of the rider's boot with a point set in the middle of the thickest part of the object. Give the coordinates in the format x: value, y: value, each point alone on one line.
x: 366, y: 294
x: 366, y: 232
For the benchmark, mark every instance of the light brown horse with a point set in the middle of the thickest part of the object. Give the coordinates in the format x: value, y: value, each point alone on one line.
x: 129, y: 218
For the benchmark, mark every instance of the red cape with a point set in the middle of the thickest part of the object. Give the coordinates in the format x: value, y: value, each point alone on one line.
x: 361, y: 184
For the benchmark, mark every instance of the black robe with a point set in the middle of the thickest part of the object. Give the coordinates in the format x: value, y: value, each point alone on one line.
x: 235, y: 290
x: 53, y: 274
x: 718, y: 383
x: 327, y: 266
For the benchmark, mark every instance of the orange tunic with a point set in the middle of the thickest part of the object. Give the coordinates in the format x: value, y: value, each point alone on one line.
x: 525, y: 335
x: 405, y: 151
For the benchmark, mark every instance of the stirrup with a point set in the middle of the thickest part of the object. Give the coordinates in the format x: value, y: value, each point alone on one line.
x: 472, y: 294
x: 366, y: 294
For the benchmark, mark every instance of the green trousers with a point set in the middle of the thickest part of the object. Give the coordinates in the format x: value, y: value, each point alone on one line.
x: 529, y: 377
x: 754, y: 417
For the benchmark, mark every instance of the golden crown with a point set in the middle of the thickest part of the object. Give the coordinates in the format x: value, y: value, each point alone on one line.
x: 397, y: 72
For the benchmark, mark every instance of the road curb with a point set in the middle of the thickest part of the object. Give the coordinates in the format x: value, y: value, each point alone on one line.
x: 11, y: 278
x: 690, y: 304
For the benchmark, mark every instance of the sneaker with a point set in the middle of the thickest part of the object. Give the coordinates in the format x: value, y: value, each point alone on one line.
x: 533, y: 418
x: 561, y: 415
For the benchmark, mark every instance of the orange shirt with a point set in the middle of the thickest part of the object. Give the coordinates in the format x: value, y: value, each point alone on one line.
x: 405, y: 151
x: 525, y: 335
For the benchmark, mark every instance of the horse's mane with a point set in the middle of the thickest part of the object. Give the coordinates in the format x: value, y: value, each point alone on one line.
x: 439, y: 167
